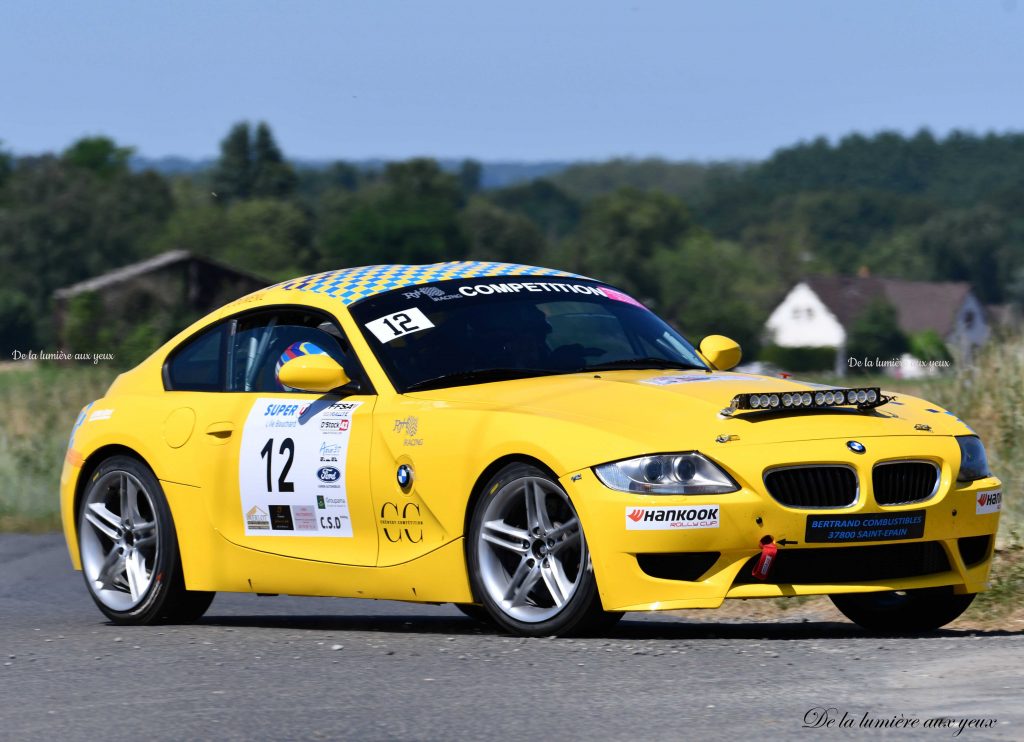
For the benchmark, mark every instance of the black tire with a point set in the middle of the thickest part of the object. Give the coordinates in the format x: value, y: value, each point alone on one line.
x: 474, y: 611
x: 904, y: 611
x: 109, y: 528
x: 580, y: 610
x: 598, y: 625
x: 190, y: 606
x: 601, y: 624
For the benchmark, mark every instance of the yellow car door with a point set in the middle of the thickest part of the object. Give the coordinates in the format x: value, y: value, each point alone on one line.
x: 282, y: 470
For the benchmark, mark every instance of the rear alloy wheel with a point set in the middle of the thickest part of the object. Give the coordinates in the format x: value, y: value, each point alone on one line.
x: 129, y: 548
x: 529, y: 565
x: 903, y: 611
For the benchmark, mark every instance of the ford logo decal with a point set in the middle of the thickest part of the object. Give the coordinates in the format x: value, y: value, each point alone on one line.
x: 856, y: 446
x: 328, y: 474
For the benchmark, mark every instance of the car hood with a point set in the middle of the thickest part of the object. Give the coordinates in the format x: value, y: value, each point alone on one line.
x: 673, y: 410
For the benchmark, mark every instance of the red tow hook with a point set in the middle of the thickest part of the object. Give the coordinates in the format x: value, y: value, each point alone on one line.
x: 764, y: 565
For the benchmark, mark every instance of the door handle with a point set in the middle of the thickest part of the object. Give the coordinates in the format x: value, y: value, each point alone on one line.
x: 221, y: 431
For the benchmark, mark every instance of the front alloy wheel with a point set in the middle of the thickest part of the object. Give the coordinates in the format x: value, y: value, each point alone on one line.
x: 129, y: 548
x: 119, y: 541
x: 528, y: 557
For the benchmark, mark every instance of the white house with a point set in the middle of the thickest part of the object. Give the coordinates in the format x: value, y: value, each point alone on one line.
x: 819, y: 312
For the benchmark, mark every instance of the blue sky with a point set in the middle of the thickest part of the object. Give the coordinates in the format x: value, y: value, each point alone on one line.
x: 521, y: 81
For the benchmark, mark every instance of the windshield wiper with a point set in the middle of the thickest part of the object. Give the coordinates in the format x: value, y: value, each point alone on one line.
x: 478, y: 377
x: 638, y: 363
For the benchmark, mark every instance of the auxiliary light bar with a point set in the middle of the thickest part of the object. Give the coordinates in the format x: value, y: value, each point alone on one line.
x: 862, y: 399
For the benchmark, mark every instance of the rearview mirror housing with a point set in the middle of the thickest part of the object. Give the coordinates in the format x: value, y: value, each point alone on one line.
x: 720, y: 352
x: 313, y: 373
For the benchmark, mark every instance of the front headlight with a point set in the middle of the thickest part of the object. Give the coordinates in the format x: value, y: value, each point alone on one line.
x: 973, y: 461
x: 667, y: 474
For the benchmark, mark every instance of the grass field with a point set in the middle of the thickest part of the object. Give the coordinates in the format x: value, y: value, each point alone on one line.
x: 41, y: 403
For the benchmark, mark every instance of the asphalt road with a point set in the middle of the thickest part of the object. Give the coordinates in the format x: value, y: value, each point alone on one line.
x: 302, y: 668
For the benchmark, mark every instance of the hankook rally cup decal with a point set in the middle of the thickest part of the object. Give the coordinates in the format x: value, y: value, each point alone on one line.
x: 291, y: 473
x: 989, y: 502
x: 671, y: 518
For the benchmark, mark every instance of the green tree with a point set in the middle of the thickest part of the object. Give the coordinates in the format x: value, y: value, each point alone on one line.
x: 61, y: 223
x: 980, y: 245
x: 6, y: 164
x: 928, y: 345
x: 782, y: 254
x: 267, y: 237
x: 838, y: 226
x: 272, y: 177
x: 409, y: 215
x: 495, y: 234
x: 470, y: 172
x: 314, y: 184
x: 876, y: 334
x: 620, y: 234
x: 707, y: 286
x: 232, y: 176
x: 554, y: 211
x: 898, y: 255
x: 685, y: 180
x: 251, y: 166
x: 16, y: 327
x: 99, y: 155
x: 85, y: 330
x: 970, y: 245
x: 1015, y: 288
x: 957, y: 171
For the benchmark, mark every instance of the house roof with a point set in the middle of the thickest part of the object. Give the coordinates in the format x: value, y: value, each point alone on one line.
x: 920, y: 305
x: 128, y: 272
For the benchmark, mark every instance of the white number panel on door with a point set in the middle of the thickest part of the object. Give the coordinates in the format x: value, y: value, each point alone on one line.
x: 291, y: 473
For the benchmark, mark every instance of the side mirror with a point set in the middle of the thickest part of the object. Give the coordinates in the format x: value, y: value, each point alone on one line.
x: 313, y: 373
x: 721, y: 352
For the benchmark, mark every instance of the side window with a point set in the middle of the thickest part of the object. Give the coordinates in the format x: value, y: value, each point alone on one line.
x: 260, y: 343
x: 196, y: 366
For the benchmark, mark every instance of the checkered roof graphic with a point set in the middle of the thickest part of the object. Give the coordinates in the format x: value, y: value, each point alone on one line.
x: 352, y: 284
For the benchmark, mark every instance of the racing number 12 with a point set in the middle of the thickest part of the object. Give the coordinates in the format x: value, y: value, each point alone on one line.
x: 404, y: 324
x: 283, y: 485
x: 398, y: 324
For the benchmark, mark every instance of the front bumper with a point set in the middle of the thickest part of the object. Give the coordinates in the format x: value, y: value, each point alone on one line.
x: 700, y: 567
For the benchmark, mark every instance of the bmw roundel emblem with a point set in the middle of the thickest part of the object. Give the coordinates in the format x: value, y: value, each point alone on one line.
x: 404, y: 476
x: 856, y: 446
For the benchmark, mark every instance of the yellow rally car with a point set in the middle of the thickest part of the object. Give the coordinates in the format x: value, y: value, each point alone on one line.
x: 534, y: 446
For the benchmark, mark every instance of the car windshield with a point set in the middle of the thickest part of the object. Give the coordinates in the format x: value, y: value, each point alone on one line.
x: 471, y: 331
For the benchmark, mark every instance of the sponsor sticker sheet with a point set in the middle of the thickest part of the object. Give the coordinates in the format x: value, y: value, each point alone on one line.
x: 291, y: 473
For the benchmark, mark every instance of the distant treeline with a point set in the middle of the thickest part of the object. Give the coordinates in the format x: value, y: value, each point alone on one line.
x: 712, y: 247
x: 494, y: 174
